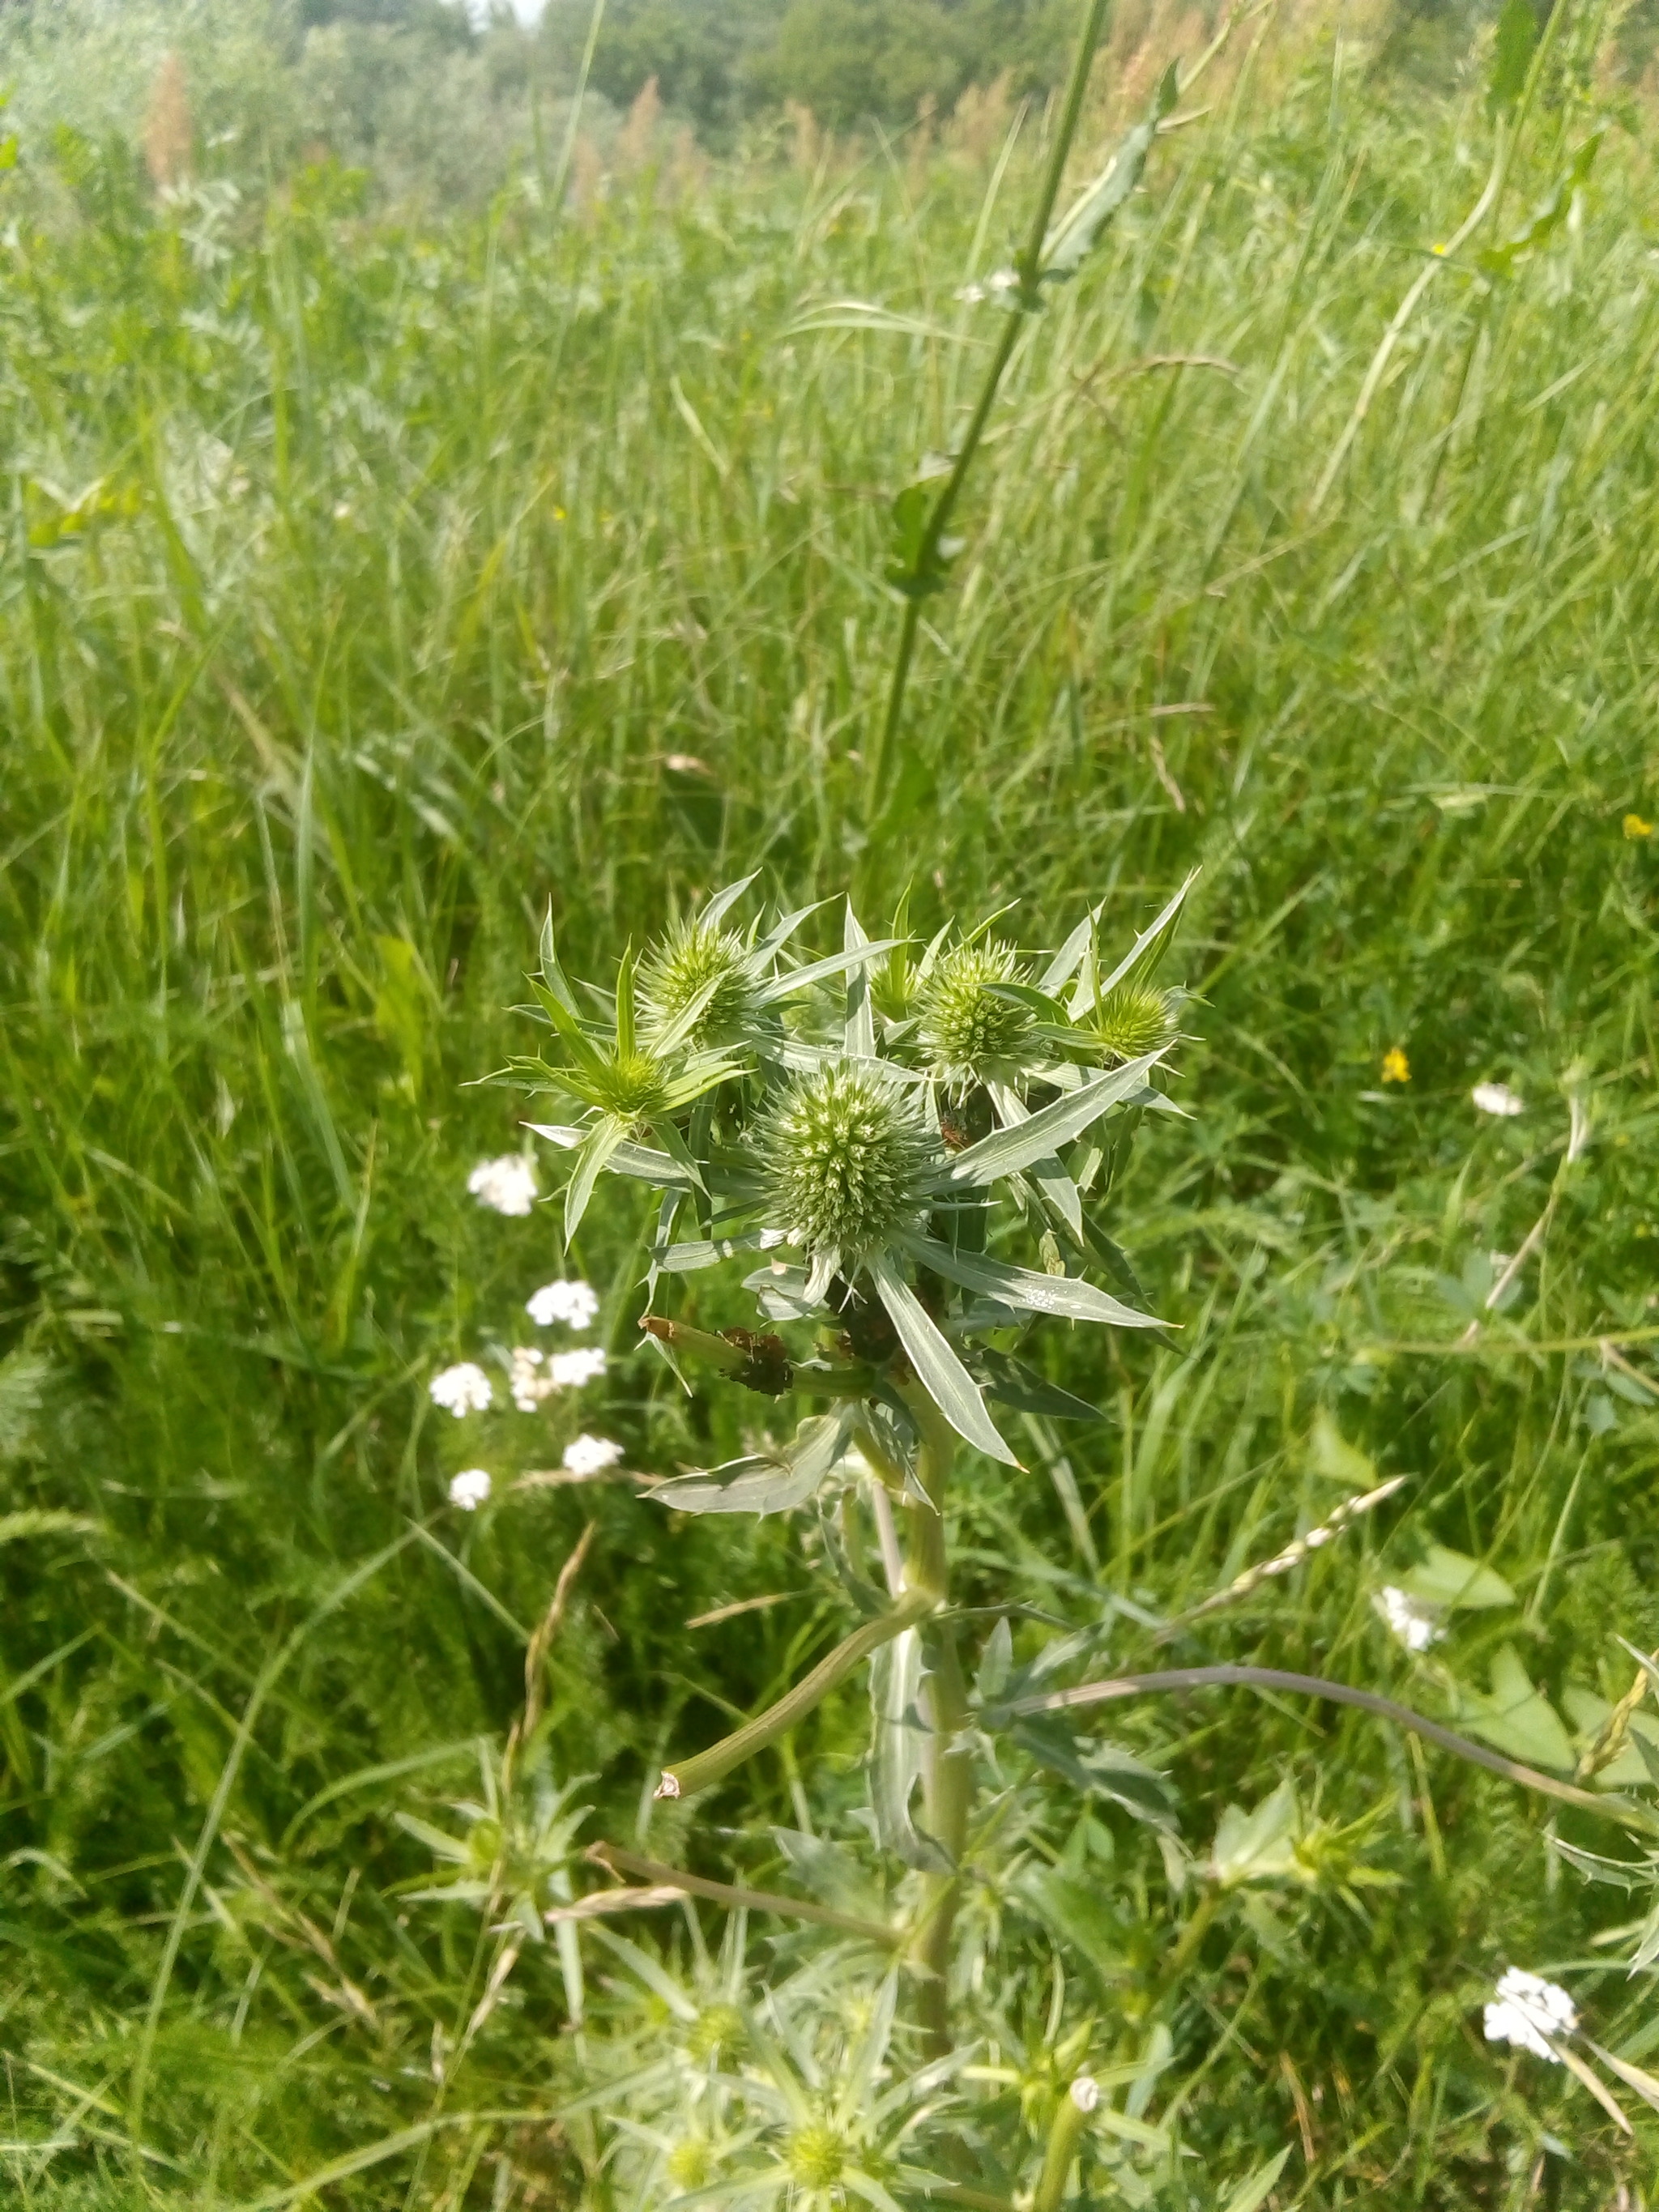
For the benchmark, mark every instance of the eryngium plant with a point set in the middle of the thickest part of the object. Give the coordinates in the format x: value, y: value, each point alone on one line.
x: 917, y: 1145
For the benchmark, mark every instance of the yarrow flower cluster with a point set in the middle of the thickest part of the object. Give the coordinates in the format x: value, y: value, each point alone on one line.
x: 463, y: 1388
x: 507, y: 1186
x: 574, y: 1303
x: 535, y: 1376
x: 469, y: 1489
x: 1498, y: 1099
x: 1528, y: 2012
x: 1415, y: 1625
x: 590, y: 1456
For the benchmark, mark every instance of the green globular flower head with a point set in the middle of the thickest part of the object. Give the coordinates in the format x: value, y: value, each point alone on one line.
x: 845, y: 1159
x: 1132, y: 1020
x: 688, y: 959
x: 816, y: 2155
x: 690, y: 2164
x: 968, y: 1027
x: 717, y: 2029
x: 632, y: 1086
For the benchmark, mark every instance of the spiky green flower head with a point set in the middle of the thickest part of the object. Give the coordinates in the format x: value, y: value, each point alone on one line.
x: 968, y: 1028
x: 816, y: 2155
x: 718, y: 2029
x: 845, y: 1159
x: 690, y: 2164
x: 675, y: 971
x: 633, y: 1085
x: 1132, y: 1020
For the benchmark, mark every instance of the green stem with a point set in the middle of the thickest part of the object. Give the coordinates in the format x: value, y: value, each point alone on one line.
x: 1624, y: 1810
x: 947, y: 1775
x: 1064, y: 2136
x: 1029, y: 265
x: 688, y: 1776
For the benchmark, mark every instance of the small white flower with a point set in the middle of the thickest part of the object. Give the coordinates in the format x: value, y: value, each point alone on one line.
x: 1413, y: 1624
x: 464, y: 1389
x: 1528, y: 2011
x: 529, y: 1387
x: 505, y: 1186
x: 1086, y: 2092
x: 1002, y: 280
x: 971, y: 295
x: 591, y: 1454
x: 569, y: 1370
x: 574, y: 1303
x: 1497, y: 1098
x: 469, y: 1489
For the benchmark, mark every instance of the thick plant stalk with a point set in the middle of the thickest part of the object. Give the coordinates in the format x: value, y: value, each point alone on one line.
x: 947, y: 1777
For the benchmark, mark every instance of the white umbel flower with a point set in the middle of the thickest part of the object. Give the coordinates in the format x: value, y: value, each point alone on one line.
x: 589, y: 1456
x: 528, y: 1387
x: 1528, y: 2011
x: 463, y: 1388
x: 1498, y: 1098
x: 1413, y: 1624
x: 574, y: 1303
x: 505, y: 1186
x: 569, y: 1370
x: 469, y: 1489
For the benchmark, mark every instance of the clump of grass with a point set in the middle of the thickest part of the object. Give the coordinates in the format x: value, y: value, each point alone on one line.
x: 369, y: 587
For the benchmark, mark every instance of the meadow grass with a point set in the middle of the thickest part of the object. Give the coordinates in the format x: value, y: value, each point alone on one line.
x: 370, y: 585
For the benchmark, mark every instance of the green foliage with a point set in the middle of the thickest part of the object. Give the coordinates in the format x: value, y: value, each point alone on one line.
x: 364, y: 589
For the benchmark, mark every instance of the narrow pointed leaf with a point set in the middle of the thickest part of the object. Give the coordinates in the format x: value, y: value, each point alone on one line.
x: 1050, y: 1178
x: 1007, y: 1151
x: 941, y: 1373
x: 900, y: 1739
x: 1154, y: 930
x: 1027, y: 1288
x: 723, y: 901
x: 1065, y: 965
x: 816, y: 971
x: 552, y: 974
x: 861, y: 1030
x: 766, y: 1482
x: 605, y: 1139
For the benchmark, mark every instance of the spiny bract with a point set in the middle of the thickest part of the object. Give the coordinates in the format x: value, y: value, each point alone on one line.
x: 845, y: 1157
x: 691, y: 955
x: 968, y: 1026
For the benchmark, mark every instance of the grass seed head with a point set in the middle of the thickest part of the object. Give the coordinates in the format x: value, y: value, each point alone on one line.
x: 845, y: 1157
x: 967, y: 1026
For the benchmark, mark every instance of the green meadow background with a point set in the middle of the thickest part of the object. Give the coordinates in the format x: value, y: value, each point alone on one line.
x: 384, y: 562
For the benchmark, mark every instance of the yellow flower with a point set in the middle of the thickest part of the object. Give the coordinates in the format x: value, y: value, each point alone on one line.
x: 1439, y: 250
x: 1396, y: 1068
x: 1635, y: 827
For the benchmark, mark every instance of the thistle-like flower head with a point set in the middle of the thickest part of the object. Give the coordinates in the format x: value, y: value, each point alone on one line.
x: 846, y: 1158
x: 679, y: 968
x: 971, y: 1025
x: 1131, y: 1020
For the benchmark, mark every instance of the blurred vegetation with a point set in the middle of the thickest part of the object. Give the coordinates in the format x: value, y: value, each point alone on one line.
x: 380, y: 566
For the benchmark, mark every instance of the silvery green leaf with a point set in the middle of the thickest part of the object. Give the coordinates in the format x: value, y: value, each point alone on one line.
x: 784, y: 928
x: 1006, y: 1151
x: 1012, y: 1383
x: 1448, y: 1578
x: 783, y: 1293
x: 722, y: 901
x: 1515, y: 1718
x: 995, y: 1664
x: 552, y: 974
x: 602, y: 1141
x: 566, y: 1135
x: 1026, y: 1288
x: 765, y: 1482
x: 817, y: 971
x: 1066, y: 963
x: 941, y: 1373
x: 1148, y: 937
x: 686, y: 1258
x: 1078, y: 228
x: 1102, y: 1769
x: 646, y: 1165
x: 1050, y: 1178
x: 831, y: 1873
x: 859, y: 1036
x: 899, y: 1740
